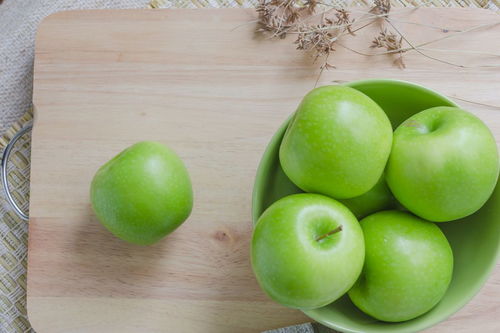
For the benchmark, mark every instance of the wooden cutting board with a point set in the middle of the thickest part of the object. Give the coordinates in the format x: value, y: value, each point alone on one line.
x: 202, y: 82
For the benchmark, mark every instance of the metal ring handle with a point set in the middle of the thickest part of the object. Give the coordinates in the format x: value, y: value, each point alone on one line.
x: 5, y: 182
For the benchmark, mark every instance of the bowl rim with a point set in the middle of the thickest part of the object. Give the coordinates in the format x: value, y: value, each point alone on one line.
x: 259, y: 186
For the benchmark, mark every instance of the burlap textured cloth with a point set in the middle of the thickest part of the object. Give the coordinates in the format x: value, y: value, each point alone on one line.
x: 18, y: 22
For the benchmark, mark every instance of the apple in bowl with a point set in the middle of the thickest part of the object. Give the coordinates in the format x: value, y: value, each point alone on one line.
x: 408, y: 266
x: 443, y: 164
x: 337, y: 143
x: 307, y: 250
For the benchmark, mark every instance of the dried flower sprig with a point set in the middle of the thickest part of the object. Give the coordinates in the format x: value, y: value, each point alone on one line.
x: 344, y: 19
x: 311, y: 5
x: 278, y: 18
x: 317, y: 39
x: 322, y: 37
x: 391, y: 42
x: 381, y: 7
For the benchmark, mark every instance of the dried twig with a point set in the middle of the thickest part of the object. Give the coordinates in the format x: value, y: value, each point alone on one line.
x: 422, y: 45
x: 326, y: 65
x: 418, y: 50
x: 460, y: 51
x: 442, y: 29
x: 477, y: 103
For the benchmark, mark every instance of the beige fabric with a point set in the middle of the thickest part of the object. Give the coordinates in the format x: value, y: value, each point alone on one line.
x: 18, y: 22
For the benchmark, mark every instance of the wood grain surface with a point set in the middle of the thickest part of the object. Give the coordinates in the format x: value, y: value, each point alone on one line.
x: 202, y: 82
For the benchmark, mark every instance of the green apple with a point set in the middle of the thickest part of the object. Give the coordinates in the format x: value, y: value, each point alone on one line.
x: 443, y: 165
x: 337, y: 143
x: 307, y: 250
x: 376, y: 199
x: 407, y: 269
x: 143, y: 193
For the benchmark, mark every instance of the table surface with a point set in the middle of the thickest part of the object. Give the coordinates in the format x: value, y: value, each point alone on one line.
x: 207, y: 86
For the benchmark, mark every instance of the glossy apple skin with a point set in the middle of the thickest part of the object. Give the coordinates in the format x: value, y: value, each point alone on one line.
x: 408, y: 267
x: 295, y: 269
x: 376, y: 199
x: 143, y: 193
x: 443, y: 165
x: 337, y: 143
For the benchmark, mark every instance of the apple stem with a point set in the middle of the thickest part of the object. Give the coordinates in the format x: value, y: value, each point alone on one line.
x: 329, y: 233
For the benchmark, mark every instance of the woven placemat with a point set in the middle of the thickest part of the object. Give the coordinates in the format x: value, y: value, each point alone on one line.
x: 14, y: 234
x: 15, y: 99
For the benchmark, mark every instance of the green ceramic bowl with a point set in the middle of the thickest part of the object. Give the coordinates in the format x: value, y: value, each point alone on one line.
x: 475, y: 240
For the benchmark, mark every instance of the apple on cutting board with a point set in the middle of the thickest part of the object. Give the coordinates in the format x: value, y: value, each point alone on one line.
x: 143, y: 193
